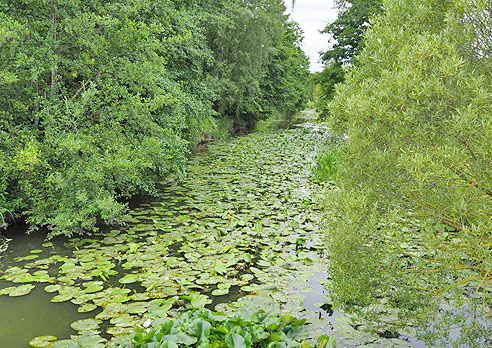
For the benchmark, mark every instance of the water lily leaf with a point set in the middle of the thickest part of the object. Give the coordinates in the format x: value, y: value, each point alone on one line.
x: 87, y: 307
x: 65, y: 344
x: 137, y: 307
x: 93, y: 288
x: 124, y: 320
x: 93, y: 341
x: 62, y: 297
x: 26, y: 258
x: 21, y: 290
x: 110, y: 311
x: 67, y: 265
x: 42, y: 341
x: 140, y: 296
x: 65, y: 280
x: 82, y: 299
x: 359, y: 338
x: 119, y: 331
x: 85, y: 324
x: 220, y: 267
x: 220, y: 292
x: 246, y: 277
x: 129, y: 278
x: 307, y: 289
x: 6, y: 291
x: 198, y: 300
x: 121, y: 299
x: 93, y: 283
x: 344, y: 320
x: 256, y: 271
x: 250, y: 288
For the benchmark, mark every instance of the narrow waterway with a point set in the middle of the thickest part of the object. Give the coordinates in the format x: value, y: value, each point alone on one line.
x: 242, y: 228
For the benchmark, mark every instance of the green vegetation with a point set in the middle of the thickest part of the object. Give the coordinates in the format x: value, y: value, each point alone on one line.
x: 410, y: 223
x: 347, y: 33
x: 204, y: 328
x: 327, y: 164
x: 241, y: 231
x: 101, y: 99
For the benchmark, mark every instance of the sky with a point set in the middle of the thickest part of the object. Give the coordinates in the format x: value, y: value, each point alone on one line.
x: 312, y: 16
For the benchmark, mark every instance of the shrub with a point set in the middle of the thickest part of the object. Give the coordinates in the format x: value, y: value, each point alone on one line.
x: 411, y: 221
x: 204, y: 328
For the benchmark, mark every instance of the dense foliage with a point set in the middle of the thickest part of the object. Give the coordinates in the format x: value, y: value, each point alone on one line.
x: 100, y: 99
x: 204, y: 328
x: 411, y: 220
x: 347, y: 33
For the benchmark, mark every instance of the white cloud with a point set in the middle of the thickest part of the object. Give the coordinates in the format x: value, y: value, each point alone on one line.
x: 312, y: 16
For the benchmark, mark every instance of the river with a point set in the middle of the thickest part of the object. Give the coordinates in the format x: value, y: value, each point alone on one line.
x: 243, y: 228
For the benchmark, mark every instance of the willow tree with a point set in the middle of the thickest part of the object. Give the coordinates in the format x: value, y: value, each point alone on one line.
x: 411, y: 220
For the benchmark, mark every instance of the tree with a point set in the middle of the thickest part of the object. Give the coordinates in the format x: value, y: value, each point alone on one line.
x: 99, y: 100
x: 92, y: 105
x: 285, y: 85
x: 347, y: 33
x: 411, y: 221
x: 242, y: 36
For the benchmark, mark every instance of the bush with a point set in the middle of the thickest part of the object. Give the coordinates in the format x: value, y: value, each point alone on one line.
x: 411, y: 221
x: 204, y: 328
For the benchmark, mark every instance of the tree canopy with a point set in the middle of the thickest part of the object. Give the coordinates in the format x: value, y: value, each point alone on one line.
x: 415, y: 110
x: 101, y: 99
x: 347, y: 33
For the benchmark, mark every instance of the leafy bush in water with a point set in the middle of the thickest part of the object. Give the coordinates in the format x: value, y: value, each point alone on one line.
x: 411, y: 221
x: 204, y: 328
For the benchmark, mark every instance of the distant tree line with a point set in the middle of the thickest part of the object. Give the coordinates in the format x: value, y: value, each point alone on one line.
x: 101, y: 99
x: 346, y: 39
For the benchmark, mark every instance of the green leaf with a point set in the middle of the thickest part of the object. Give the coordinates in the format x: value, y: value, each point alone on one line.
x: 202, y: 330
x: 233, y: 340
x: 168, y: 344
x: 220, y: 267
x: 326, y: 341
x: 185, y: 338
x: 42, y: 341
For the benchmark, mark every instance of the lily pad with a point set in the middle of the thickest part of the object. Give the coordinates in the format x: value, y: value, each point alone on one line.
x: 87, y: 307
x: 137, y: 307
x: 119, y: 331
x: 129, y: 278
x: 307, y: 289
x: 85, y: 324
x: 42, y: 341
x: 26, y: 258
x: 6, y: 291
x: 61, y: 298
x: 123, y: 320
x: 21, y: 290
x: 220, y: 292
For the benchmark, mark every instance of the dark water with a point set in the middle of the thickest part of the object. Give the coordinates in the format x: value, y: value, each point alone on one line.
x: 25, y: 317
